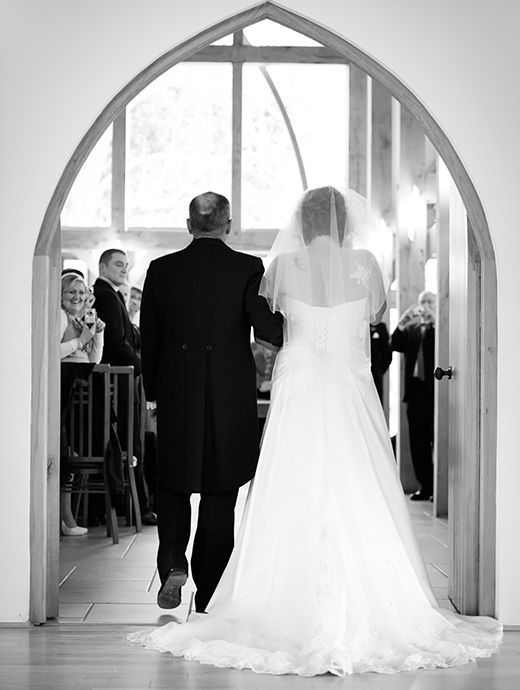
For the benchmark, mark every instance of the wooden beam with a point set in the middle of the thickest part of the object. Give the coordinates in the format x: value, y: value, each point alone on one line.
x: 359, y: 131
x: 53, y: 432
x: 382, y: 190
x: 410, y: 253
x: 314, y: 55
x: 442, y: 343
x: 87, y: 239
x: 39, y: 441
x: 119, y: 171
x: 236, y: 147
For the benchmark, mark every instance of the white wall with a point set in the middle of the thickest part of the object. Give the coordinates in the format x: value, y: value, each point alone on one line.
x: 63, y: 61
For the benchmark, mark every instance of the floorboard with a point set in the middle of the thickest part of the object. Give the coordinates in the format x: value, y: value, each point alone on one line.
x: 110, y: 590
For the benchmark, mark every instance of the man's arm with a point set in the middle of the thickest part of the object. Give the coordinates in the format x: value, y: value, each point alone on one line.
x: 268, y: 327
x: 151, y: 340
x: 386, y: 351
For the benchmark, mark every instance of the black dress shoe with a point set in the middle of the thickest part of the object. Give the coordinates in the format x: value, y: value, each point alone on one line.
x: 420, y: 496
x: 169, y: 596
x: 149, y: 518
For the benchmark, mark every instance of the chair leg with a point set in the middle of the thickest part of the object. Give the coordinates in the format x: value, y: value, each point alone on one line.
x: 135, y: 500
x: 110, y: 512
x: 129, y: 504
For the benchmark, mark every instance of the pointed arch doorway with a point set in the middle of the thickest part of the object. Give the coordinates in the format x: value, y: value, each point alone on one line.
x: 474, y: 564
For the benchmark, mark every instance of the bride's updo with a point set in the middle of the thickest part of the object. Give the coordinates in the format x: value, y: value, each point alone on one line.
x: 323, y: 212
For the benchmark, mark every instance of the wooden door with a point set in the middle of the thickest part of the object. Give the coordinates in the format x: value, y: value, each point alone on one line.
x: 464, y: 410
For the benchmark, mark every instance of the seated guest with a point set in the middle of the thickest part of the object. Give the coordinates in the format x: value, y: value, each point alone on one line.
x: 80, y: 344
x: 134, y: 305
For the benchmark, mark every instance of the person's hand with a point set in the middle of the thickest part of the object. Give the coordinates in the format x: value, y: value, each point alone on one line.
x: 100, y: 325
x: 151, y: 409
x: 411, y: 314
x: 427, y: 314
x: 86, y: 333
x: 89, y: 302
x: 264, y: 386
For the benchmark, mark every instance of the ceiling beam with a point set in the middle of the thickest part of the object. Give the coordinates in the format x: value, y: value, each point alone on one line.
x: 168, y: 239
x: 268, y: 54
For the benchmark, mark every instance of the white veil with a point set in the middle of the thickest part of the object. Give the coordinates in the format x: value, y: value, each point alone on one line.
x: 327, y: 254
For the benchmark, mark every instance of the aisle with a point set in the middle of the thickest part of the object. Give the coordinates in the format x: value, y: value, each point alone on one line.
x: 106, y: 583
x: 109, y: 591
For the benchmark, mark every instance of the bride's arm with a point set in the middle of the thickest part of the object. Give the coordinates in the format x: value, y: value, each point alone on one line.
x: 379, y: 315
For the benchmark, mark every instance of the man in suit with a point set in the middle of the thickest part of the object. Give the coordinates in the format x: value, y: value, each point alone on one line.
x: 380, y: 354
x: 121, y: 349
x: 415, y: 338
x: 198, y: 307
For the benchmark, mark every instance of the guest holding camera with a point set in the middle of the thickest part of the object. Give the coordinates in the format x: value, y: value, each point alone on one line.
x: 81, y: 344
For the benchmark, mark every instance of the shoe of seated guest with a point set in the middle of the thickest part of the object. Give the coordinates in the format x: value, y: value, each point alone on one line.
x: 149, y: 518
x: 420, y: 496
x: 73, y: 531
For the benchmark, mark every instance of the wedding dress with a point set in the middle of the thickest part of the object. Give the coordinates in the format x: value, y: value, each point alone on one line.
x: 326, y: 575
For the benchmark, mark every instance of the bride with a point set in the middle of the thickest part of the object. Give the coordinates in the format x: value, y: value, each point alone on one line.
x: 326, y: 575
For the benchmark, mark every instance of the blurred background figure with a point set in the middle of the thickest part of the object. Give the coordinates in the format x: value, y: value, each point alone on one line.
x: 264, y: 362
x: 124, y: 289
x: 380, y: 354
x: 415, y: 338
x: 134, y: 304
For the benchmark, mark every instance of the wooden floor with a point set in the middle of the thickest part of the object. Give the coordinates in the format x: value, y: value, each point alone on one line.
x: 107, y: 591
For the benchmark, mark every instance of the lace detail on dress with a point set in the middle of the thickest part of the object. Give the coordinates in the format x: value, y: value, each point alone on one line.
x: 321, y: 328
x: 366, y: 370
x: 393, y: 568
x: 361, y: 274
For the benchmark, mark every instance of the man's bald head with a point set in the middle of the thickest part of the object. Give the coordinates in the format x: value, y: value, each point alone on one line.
x: 209, y: 215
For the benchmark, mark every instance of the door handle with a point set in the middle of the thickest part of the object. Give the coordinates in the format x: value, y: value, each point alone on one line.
x: 440, y: 373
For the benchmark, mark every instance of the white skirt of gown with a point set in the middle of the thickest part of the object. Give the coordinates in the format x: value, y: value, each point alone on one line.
x: 326, y: 574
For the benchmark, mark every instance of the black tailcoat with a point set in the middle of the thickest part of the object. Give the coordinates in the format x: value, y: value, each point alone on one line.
x: 197, y: 309
x: 119, y: 346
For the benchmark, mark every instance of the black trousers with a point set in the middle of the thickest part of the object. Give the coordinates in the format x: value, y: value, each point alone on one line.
x: 419, y: 409
x: 213, y: 543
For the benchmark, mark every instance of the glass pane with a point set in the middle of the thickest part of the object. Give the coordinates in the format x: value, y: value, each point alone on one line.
x: 316, y: 99
x: 268, y: 33
x: 224, y: 41
x: 89, y: 201
x: 178, y: 143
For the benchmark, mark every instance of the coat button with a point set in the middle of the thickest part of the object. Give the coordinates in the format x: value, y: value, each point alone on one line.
x: 209, y: 347
x: 184, y: 347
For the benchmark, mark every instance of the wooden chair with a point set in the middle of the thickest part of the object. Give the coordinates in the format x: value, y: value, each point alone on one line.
x: 99, y: 412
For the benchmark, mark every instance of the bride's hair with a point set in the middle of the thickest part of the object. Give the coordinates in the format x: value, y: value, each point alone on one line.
x: 323, y: 212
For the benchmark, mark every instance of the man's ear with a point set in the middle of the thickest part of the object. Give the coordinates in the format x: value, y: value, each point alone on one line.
x: 229, y: 226
x: 188, y: 225
x: 101, y: 269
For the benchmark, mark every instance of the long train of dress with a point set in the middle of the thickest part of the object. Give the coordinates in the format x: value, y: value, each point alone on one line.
x: 326, y: 575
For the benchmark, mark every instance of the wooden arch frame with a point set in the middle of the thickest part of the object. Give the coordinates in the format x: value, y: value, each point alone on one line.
x: 45, y: 287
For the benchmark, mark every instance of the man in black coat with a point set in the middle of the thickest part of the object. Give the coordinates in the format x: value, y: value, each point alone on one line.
x: 121, y: 349
x: 197, y: 310
x: 380, y: 354
x: 415, y: 338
